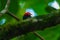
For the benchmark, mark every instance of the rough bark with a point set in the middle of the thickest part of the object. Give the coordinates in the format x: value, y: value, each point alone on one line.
x: 29, y: 25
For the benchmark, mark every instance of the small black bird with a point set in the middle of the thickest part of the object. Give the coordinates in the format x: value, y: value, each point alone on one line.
x: 27, y: 15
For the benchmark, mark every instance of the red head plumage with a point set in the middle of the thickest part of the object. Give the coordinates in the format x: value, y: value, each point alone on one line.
x: 27, y: 14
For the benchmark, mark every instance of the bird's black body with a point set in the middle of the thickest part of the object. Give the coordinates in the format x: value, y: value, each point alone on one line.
x: 27, y: 15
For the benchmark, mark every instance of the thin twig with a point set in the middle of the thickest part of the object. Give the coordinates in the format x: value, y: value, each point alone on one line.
x: 12, y: 15
x: 7, y: 4
x: 38, y: 35
x: 5, y: 10
x: 8, y: 12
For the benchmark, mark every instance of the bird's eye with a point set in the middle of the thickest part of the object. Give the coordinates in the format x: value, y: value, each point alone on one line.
x: 2, y: 21
x: 54, y: 4
x: 31, y: 11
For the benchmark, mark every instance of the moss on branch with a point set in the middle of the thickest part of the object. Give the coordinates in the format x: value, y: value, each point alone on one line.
x: 29, y: 25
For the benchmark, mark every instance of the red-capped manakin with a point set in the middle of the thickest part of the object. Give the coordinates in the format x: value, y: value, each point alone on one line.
x: 27, y: 15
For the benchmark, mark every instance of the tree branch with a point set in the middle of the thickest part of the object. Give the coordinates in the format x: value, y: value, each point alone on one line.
x: 29, y: 25
x: 38, y: 35
x: 12, y: 15
x: 6, y: 8
x: 6, y: 11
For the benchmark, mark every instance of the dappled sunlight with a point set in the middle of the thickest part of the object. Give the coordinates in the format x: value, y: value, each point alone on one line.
x: 3, y: 21
x: 54, y: 4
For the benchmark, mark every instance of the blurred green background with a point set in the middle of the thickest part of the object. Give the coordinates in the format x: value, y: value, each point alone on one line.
x: 18, y: 7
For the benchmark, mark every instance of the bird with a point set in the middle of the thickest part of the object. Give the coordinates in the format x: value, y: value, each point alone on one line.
x: 27, y: 15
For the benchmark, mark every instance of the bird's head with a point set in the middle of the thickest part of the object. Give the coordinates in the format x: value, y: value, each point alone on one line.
x: 27, y: 13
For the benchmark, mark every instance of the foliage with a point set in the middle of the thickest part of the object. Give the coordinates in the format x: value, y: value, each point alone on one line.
x: 39, y: 7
